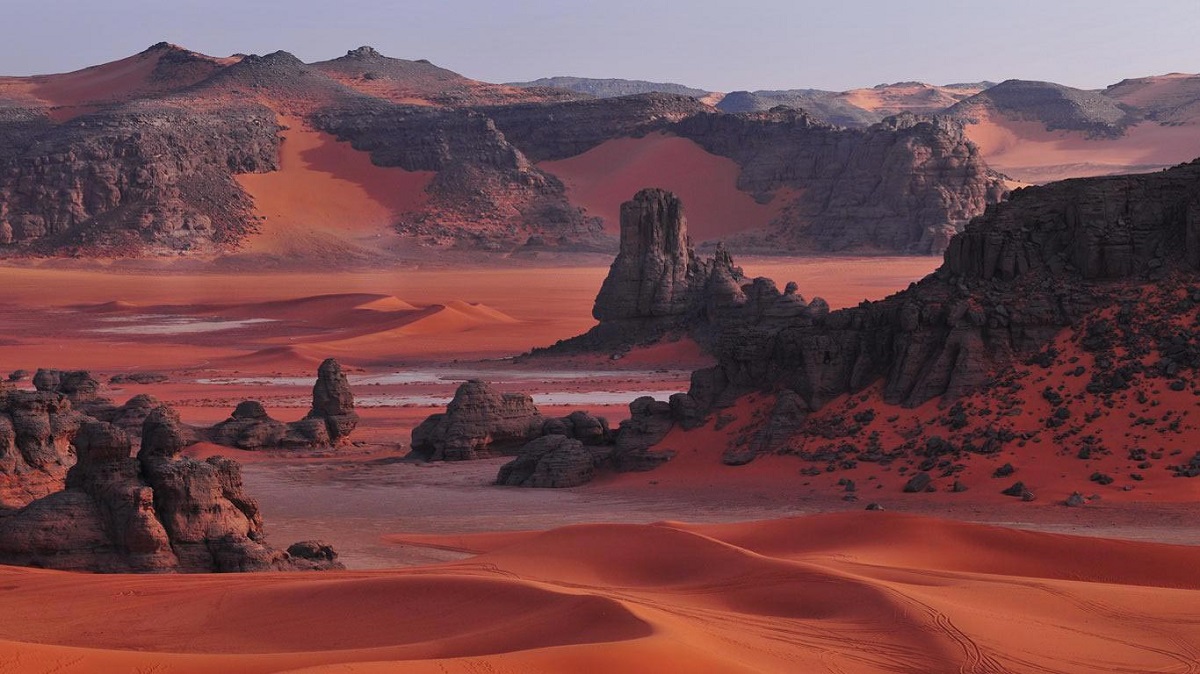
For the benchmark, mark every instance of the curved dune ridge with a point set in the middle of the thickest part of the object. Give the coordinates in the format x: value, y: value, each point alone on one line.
x: 851, y: 592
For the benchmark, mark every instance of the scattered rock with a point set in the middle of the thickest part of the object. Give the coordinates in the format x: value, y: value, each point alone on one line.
x: 918, y: 483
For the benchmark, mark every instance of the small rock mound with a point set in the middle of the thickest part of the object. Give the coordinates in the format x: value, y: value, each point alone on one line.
x: 328, y: 424
x: 551, y: 461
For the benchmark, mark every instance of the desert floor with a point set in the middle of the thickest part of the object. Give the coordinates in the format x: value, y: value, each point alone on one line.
x: 694, y: 567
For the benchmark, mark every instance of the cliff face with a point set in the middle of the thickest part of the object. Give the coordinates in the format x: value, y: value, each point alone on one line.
x: 905, y: 184
x: 1016, y: 277
x: 486, y: 192
x: 1051, y: 258
x: 145, y: 177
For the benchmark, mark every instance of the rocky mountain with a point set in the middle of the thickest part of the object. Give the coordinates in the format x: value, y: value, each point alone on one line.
x: 857, y: 107
x: 146, y: 156
x: 160, y: 154
x: 1096, y: 279
x: 420, y: 82
x: 1055, y: 106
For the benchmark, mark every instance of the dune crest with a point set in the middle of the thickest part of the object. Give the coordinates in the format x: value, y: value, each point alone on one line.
x: 854, y: 592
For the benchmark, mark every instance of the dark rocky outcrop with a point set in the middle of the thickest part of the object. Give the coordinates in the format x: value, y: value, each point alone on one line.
x: 328, y: 424
x: 486, y: 192
x: 158, y: 512
x: 333, y: 402
x: 649, y: 422
x: 659, y: 286
x: 1015, y: 278
x: 554, y: 461
x: 479, y: 422
x: 151, y: 170
x: 1054, y: 105
x: 904, y: 185
x: 149, y: 176
x: 611, y: 88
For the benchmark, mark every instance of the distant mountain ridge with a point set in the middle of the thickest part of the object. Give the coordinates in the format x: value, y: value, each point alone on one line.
x: 151, y: 155
x: 611, y: 88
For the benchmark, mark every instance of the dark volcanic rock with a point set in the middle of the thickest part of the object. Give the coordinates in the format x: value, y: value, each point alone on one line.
x: 478, y: 422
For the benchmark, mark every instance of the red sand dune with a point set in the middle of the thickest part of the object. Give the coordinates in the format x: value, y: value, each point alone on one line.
x: 327, y: 193
x: 851, y: 593
x: 605, y: 176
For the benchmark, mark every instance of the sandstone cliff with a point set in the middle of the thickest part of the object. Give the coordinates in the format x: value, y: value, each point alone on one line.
x: 147, y: 176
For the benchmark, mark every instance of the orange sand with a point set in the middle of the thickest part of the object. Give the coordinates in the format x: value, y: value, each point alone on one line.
x: 603, y: 177
x: 328, y: 195
x: 913, y: 97
x: 1025, y: 150
x: 851, y: 593
x: 364, y: 318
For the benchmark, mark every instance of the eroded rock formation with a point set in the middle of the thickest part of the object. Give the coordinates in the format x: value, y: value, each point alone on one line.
x: 328, y: 424
x: 1016, y: 277
x: 658, y: 285
x: 480, y: 421
x: 36, y: 430
x: 158, y: 512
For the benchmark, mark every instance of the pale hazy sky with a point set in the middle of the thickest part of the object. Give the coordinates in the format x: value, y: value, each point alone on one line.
x: 713, y: 44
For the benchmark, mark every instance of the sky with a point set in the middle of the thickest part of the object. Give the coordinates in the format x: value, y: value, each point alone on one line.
x: 720, y: 45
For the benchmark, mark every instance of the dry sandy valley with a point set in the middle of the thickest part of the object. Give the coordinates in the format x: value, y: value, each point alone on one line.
x: 711, y: 568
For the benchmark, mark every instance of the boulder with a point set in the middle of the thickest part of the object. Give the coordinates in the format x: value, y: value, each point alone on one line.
x: 479, y: 422
x: 550, y: 461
